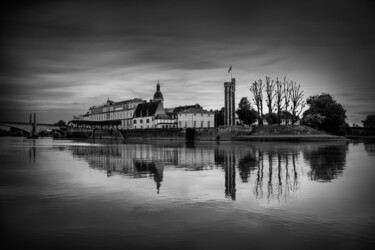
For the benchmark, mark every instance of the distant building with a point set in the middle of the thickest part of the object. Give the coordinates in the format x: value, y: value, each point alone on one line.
x: 165, y: 121
x: 145, y: 114
x: 286, y: 118
x: 229, y: 102
x: 196, y: 118
x: 111, y: 110
x: 158, y: 96
x: 152, y: 114
x: 173, y: 112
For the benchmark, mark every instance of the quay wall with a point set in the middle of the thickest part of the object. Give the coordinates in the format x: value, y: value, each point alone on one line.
x: 222, y: 133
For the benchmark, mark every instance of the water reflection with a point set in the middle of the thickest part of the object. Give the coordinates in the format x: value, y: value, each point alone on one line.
x: 273, y: 170
x: 326, y: 162
x: 369, y: 147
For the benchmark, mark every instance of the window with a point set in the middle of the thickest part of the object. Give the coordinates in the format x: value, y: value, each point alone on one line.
x: 135, y: 121
x: 201, y: 124
x: 179, y: 124
x: 148, y: 120
x: 141, y: 121
x: 185, y: 124
x: 195, y: 123
x: 208, y: 124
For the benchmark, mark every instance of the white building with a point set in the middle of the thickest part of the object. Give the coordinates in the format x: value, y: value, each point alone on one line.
x: 165, y: 121
x: 196, y: 118
x: 111, y: 111
x: 145, y: 114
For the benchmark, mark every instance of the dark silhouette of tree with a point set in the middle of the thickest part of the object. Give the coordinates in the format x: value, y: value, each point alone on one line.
x: 219, y: 117
x: 245, y: 112
x: 313, y: 120
x: 369, y: 121
x: 270, y: 93
x: 60, y: 123
x: 286, y: 94
x: 278, y: 100
x: 297, y: 102
x: 257, y: 90
x: 272, y: 118
x: 326, y: 106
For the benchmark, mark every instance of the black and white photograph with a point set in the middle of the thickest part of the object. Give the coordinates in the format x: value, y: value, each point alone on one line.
x: 170, y: 124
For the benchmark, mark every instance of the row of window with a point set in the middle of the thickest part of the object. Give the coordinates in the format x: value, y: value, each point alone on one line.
x: 196, y: 114
x: 180, y: 124
x: 114, y: 116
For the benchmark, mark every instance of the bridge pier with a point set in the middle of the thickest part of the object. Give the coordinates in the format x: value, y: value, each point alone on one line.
x: 34, y: 134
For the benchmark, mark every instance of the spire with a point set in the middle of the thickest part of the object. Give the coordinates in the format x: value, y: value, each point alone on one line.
x: 158, y: 86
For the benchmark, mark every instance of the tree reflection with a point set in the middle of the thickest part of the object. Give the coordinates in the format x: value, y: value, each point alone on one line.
x: 327, y: 162
x: 246, y: 164
x: 273, y: 170
x: 273, y: 166
x: 369, y: 147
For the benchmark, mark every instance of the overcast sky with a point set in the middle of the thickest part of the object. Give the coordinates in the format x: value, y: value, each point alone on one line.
x: 58, y: 58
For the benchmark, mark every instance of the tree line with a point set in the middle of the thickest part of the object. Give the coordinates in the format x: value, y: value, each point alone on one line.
x: 283, y: 99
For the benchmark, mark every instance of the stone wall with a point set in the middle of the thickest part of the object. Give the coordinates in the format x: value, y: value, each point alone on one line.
x: 156, y: 134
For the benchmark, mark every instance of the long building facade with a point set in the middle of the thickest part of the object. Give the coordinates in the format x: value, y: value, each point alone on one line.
x: 110, y: 111
x: 230, y: 102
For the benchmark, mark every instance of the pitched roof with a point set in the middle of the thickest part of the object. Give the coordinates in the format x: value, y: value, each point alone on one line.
x: 146, y: 109
x: 196, y: 111
x: 179, y: 109
x: 164, y: 117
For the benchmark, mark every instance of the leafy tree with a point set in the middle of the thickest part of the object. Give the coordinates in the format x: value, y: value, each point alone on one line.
x: 219, y: 117
x: 272, y: 118
x: 245, y: 112
x: 313, y: 120
x: 326, y: 106
x: 60, y: 123
x: 369, y: 122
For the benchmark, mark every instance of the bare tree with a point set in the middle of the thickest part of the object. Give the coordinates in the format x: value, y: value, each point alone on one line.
x: 257, y: 89
x: 286, y: 93
x: 297, y: 102
x: 279, y: 96
x: 270, y: 87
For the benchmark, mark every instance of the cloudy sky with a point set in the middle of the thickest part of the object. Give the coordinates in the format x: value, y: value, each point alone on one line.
x: 58, y: 58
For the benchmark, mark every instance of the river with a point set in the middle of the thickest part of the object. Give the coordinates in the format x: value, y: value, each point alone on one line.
x: 73, y: 194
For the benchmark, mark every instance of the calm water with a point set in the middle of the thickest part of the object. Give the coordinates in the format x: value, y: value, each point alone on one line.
x: 104, y: 195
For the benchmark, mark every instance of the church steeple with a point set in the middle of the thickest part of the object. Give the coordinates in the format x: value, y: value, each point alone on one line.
x: 158, y: 96
x: 158, y: 87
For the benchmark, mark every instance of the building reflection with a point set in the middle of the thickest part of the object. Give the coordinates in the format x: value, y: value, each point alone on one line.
x: 273, y: 171
x: 134, y: 160
x: 145, y: 160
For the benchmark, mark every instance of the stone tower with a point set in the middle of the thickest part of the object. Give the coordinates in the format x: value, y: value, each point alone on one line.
x: 230, y: 102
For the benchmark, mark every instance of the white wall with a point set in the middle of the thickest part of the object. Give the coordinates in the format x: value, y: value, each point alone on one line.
x: 186, y: 120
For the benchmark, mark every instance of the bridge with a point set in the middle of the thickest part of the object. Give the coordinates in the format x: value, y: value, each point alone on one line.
x: 33, y: 128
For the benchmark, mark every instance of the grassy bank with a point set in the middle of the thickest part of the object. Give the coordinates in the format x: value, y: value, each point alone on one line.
x: 290, y: 133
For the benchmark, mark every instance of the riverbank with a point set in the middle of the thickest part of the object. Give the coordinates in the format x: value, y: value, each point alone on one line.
x: 283, y: 133
x: 288, y: 133
x: 290, y: 138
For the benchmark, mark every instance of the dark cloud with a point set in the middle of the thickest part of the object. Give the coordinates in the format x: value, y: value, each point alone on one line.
x: 50, y: 47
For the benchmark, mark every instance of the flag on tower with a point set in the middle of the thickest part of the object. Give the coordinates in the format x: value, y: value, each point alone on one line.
x: 230, y: 69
